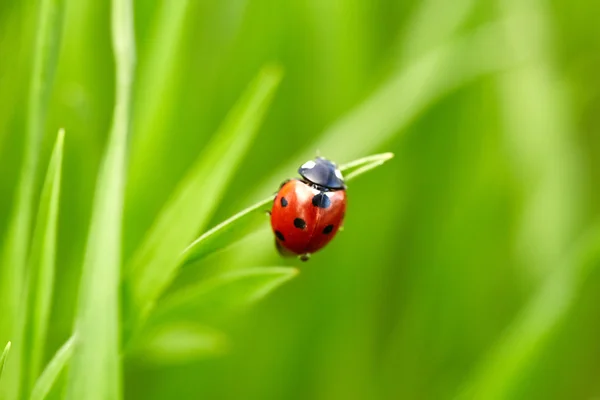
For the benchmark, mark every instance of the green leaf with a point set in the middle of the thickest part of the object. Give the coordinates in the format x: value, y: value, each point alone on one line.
x: 228, y: 231
x: 30, y: 333
x: 3, y: 357
x: 156, y: 74
x: 154, y: 264
x: 95, y: 372
x: 218, y: 297
x: 42, y: 268
x: 180, y: 342
x: 48, y: 378
x: 251, y: 218
x: 12, y: 279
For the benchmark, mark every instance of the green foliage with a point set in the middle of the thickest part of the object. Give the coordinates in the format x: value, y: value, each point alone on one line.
x: 95, y: 371
x: 462, y: 271
x: 251, y: 218
x: 189, y: 208
x: 16, y: 242
x: 174, y: 333
x: 55, y: 367
x: 41, y: 268
x: 3, y: 357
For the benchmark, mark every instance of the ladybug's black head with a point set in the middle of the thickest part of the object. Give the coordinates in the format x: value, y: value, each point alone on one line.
x: 322, y: 172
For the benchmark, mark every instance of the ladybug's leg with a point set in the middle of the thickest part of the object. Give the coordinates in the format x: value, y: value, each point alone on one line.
x: 305, y: 257
x: 282, y: 250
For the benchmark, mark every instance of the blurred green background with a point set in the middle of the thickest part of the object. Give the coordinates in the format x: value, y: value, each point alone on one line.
x: 455, y: 275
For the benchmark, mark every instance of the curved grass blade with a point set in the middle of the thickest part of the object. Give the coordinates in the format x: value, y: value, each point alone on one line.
x: 48, y: 378
x: 12, y: 279
x: 154, y: 264
x: 248, y: 220
x: 216, y: 298
x: 30, y: 333
x: 227, y: 232
x: 41, y: 268
x: 95, y: 372
x: 3, y: 357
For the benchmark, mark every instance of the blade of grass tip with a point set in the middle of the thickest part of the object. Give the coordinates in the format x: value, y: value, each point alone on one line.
x: 527, y: 336
x: 42, y: 267
x: 247, y: 220
x: 34, y: 309
x: 46, y: 48
x: 154, y: 263
x: 3, y: 357
x: 217, y: 297
x: 95, y: 371
x: 358, y: 167
x: 48, y: 378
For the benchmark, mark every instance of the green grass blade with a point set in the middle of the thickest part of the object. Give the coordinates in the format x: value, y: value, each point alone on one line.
x: 216, y: 298
x: 520, y: 347
x: 227, y: 232
x: 41, y: 268
x: 48, y: 378
x: 249, y: 219
x: 154, y: 264
x: 155, y: 76
x: 12, y: 279
x: 95, y: 371
x: 30, y: 332
x: 3, y: 358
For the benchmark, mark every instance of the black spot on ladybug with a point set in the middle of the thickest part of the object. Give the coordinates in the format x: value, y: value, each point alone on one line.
x: 321, y: 200
x: 283, y: 202
x: 279, y: 236
x: 299, y: 223
x: 328, y: 229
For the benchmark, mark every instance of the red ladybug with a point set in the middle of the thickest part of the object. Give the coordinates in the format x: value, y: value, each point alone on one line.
x: 308, y: 212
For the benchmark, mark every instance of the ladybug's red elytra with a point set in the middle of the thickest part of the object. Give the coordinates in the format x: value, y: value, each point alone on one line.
x: 308, y: 212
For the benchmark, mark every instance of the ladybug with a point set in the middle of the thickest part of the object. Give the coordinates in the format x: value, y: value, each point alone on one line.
x: 307, y: 212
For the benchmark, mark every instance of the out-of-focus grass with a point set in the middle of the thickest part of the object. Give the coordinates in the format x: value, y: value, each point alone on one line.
x: 3, y: 356
x: 458, y: 271
x: 95, y: 371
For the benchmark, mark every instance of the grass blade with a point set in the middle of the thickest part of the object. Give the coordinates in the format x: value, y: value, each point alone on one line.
x: 34, y: 309
x: 227, y: 232
x: 249, y: 219
x: 155, y: 76
x: 95, y: 371
x: 154, y: 264
x: 48, y: 378
x: 41, y: 268
x: 218, y: 297
x: 3, y: 357
x: 12, y: 279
